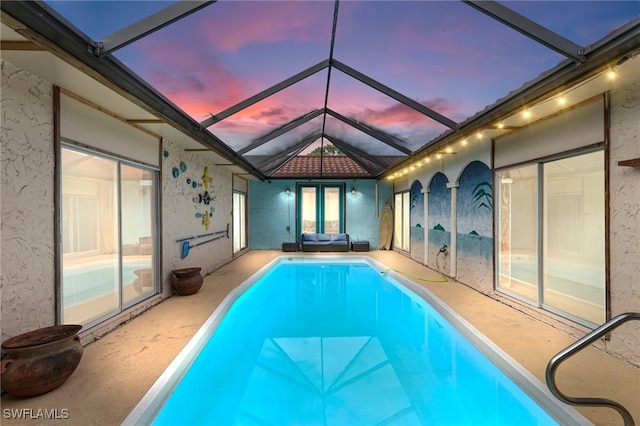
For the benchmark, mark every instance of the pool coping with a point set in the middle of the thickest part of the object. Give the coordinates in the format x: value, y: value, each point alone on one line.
x: 148, y: 407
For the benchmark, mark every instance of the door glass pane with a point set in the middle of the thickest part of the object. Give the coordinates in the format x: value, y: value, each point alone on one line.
x: 406, y: 220
x: 239, y: 241
x: 137, y: 192
x: 517, y: 225
x: 308, y: 210
x: 90, y: 265
x: 397, y: 222
x: 574, y: 240
x: 331, y: 210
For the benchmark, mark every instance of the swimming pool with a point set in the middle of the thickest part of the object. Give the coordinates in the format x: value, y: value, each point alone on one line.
x: 334, y: 342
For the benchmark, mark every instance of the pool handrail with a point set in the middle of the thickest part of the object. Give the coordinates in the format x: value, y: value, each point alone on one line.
x: 580, y: 344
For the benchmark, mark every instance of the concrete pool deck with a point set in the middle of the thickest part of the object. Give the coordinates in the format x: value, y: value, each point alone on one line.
x: 117, y: 370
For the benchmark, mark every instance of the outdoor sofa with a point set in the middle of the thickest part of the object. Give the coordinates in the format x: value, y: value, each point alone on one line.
x: 325, y: 242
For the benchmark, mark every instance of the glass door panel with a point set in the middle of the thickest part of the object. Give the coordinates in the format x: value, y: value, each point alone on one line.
x: 517, y: 224
x: 108, y: 217
x: 397, y: 221
x: 308, y: 211
x: 574, y: 239
x: 331, y: 211
x: 401, y: 227
x: 90, y: 237
x: 137, y: 222
x: 239, y: 221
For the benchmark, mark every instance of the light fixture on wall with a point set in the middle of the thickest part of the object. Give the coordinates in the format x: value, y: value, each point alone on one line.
x: 286, y: 191
x: 353, y: 190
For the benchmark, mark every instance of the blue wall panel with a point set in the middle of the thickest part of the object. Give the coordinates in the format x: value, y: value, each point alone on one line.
x: 271, y: 210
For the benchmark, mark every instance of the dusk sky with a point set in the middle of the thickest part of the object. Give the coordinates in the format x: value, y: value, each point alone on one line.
x: 445, y: 55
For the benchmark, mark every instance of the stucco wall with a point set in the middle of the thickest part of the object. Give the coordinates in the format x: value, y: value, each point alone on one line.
x: 625, y: 218
x: 183, y: 210
x: 27, y: 281
x: 271, y: 210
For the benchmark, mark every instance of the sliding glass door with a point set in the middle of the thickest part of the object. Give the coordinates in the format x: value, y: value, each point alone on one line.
x: 402, y: 224
x: 320, y: 208
x: 550, y: 228
x: 108, y: 227
x: 239, y: 221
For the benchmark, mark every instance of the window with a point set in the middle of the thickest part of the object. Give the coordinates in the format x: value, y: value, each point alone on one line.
x: 239, y: 221
x: 551, y: 235
x: 108, y: 227
x: 402, y: 222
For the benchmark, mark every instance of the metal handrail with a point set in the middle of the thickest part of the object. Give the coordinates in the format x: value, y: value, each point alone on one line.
x: 554, y: 363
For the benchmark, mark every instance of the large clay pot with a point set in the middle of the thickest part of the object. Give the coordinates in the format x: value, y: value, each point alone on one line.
x: 187, y: 281
x: 40, y: 360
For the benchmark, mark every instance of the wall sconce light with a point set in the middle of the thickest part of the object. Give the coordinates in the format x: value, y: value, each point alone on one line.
x: 353, y: 190
x: 287, y: 191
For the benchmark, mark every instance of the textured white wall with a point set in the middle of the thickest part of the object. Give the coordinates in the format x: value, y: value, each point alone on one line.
x: 625, y: 218
x: 179, y: 214
x: 27, y: 281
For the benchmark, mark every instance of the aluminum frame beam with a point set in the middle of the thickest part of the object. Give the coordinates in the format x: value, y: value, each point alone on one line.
x: 293, y: 152
x: 281, y: 130
x: 529, y: 28
x: 382, y: 137
x: 341, y: 144
x: 148, y: 25
x: 265, y: 94
x: 395, y: 95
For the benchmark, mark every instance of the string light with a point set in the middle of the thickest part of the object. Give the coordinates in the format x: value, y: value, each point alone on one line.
x: 562, y: 100
x: 526, y: 113
x: 479, y: 134
x: 463, y: 142
x: 500, y: 125
x: 449, y: 150
x: 611, y: 74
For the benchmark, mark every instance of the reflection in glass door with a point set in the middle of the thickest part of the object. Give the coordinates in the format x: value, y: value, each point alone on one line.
x: 320, y: 208
x: 550, y: 226
x: 108, y: 226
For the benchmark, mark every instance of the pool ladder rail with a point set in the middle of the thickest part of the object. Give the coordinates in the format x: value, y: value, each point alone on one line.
x: 571, y: 350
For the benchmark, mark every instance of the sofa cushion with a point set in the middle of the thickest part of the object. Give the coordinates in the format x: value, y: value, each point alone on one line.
x: 309, y: 237
x: 339, y: 237
x: 324, y: 237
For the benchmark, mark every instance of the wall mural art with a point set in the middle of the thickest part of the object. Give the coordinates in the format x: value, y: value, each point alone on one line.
x: 475, y: 226
x: 439, y: 227
x: 416, y: 218
x: 202, y: 201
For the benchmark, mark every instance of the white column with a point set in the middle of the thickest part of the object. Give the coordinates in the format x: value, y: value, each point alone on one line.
x: 454, y: 228
x: 425, y: 222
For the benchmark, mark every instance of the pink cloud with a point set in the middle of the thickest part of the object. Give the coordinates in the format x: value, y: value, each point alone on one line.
x: 229, y: 26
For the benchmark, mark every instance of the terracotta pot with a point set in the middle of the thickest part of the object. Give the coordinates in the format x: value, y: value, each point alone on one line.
x: 40, y: 360
x: 187, y: 281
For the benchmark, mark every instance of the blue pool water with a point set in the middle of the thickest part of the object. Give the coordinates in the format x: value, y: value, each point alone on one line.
x: 338, y: 344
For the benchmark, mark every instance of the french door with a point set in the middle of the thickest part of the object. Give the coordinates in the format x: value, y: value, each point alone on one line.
x: 320, y: 208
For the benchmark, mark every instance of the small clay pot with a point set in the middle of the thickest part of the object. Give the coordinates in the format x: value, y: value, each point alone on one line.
x: 41, y: 360
x: 187, y: 281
